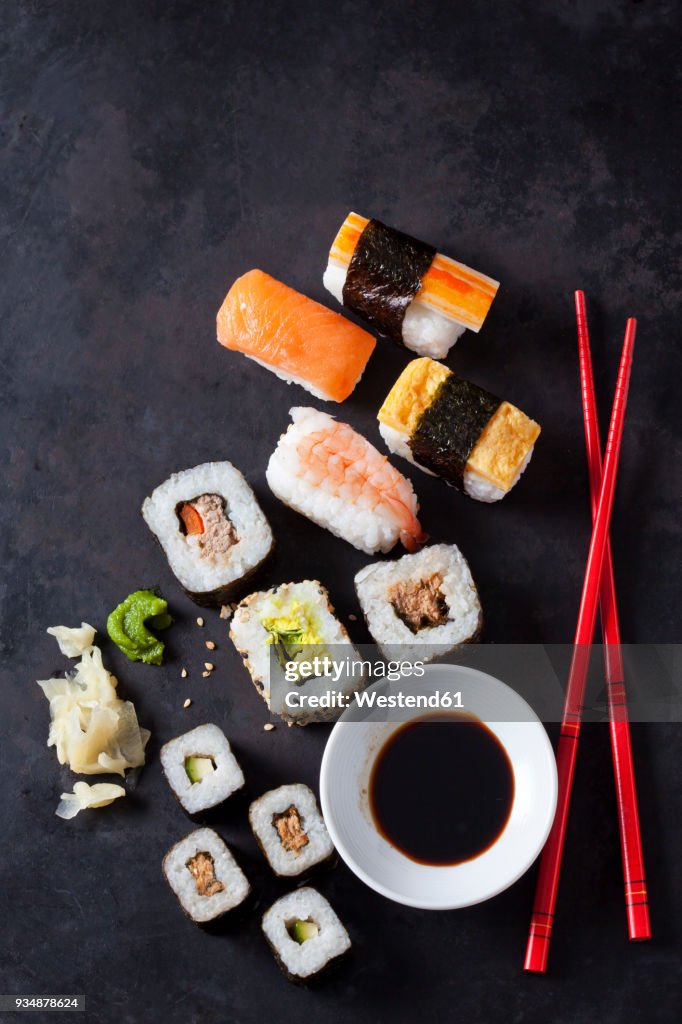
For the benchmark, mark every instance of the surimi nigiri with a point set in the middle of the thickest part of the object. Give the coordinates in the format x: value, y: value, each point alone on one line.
x: 328, y: 472
x: 298, y: 339
x: 405, y: 289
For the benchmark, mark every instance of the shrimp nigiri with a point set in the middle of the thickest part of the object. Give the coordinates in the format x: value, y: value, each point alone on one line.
x: 328, y: 472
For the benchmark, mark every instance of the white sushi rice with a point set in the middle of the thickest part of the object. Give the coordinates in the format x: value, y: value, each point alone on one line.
x: 424, y: 330
x: 203, y: 908
x: 254, y: 537
x: 204, y: 741
x: 291, y: 378
x: 374, y: 585
x: 303, y: 960
x: 475, y: 486
x: 252, y: 641
x: 288, y: 863
x: 344, y: 514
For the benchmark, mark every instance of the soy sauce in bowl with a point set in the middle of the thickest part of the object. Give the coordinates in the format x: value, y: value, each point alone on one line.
x: 441, y: 789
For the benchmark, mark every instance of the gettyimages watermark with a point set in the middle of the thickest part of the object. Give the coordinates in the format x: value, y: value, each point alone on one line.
x: 322, y: 682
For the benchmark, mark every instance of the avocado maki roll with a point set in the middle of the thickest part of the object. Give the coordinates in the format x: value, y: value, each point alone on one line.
x: 290, y: 830
x: 405, y: 289
x: 454, y: 429
x: 305, y: 934
x: 421, y: 606
x: 211, y: 529
x: 201, y: 769
x: 205, y: 877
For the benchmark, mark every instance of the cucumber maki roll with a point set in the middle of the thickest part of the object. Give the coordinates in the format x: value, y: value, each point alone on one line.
x: 211, y: 529
x: 290, y: 830
x: 201, y: 769
x: 454, y: 429
x: 305, y: 934
x: 205, y: 877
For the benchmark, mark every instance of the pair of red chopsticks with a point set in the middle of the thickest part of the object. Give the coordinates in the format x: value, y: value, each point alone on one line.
x: 598, y: 589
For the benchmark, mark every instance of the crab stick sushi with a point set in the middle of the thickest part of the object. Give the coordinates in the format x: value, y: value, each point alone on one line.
x: 451, y: 428
x: 328, y: 472
x: 298, y: 339
x: 405, y: 289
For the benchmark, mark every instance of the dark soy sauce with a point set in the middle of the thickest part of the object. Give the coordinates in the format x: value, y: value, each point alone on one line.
x: 441, y: 789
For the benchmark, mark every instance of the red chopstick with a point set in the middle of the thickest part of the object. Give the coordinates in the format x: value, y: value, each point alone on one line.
x: 636, y: 901
x: 537, y: 950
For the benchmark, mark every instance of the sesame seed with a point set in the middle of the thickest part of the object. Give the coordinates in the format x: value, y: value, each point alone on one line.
x: 205, y: 674
x: 183, y: 673
x: 210, y: 645
x: 208, y: 666
x: 187, y: 703
x: 268, y: 727
x: 353, y: 618
x: 200, y: 621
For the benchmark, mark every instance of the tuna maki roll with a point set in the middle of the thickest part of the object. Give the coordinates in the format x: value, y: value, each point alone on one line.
x: 211, y: 528
x: 421, y: 606
x: 304, y: 933
x: 276, y: 630
x: 205, y: 877
x: 290, y: 830
x: 201, y: 769
x: 451, y: 428
x: 405, y: 289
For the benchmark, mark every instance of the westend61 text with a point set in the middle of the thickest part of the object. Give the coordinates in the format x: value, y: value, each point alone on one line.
x: 440, y: 700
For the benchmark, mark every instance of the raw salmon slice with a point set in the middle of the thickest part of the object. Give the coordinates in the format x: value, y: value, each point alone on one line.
x: 295, y: 337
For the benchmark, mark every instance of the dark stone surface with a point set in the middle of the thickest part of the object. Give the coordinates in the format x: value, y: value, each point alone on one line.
x: 152, y: 152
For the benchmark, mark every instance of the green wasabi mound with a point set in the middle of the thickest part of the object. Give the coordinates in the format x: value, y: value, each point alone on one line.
x: 127, y: 626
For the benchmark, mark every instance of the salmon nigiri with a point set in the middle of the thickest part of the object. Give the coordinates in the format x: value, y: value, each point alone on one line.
x: 328, y: 472
x: 298, y: 339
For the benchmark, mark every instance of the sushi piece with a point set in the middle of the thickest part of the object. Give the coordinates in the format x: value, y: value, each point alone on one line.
x: 304, y: 933
x: 274, y: 630
x: 421, y: 606
x: 205, y: 877
x: 456, y: 430
x: 405, y: 289
x: 201, y: 769
x: 290, y: 830
x: 331, y: 474
x: 298, y: 339
x: 211, y: 529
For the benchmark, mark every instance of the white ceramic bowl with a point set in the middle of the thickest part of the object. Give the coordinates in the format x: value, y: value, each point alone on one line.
x: 344, y: 784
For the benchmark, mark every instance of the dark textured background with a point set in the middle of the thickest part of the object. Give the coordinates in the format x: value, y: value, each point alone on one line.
x: 151, y: 152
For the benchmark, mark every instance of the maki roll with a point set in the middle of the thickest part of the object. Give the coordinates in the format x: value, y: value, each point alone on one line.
x: 201, y: 769
x: 421, y: 606
x: 451, y: 428
x: 205, y: 877
x: 290, y: 830
x: 277, y: 629
x: 328, y: 472
x: 211, y: 528
x: 304, y: 933
x: 298, y: 339
x: 405, y: 289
